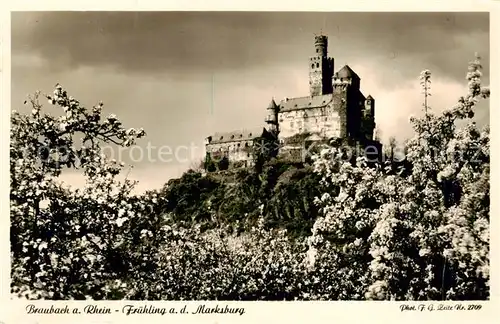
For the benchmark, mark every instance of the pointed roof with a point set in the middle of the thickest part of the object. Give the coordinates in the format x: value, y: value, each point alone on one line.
x: 369, y: 97
x: 272, y: 105
x: 346, y: 72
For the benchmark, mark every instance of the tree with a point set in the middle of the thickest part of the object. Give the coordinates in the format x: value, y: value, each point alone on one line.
x: 209, y: 164
x: 422, y: 235
x: 415, y: 234
x: 425, y: 83
x: 392, y: 147
x: 66, y: 243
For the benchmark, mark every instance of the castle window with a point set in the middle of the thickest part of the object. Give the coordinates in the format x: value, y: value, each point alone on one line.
x: 246, y: 144
x: 232, y: 136
x: 239, y: 144
x: 317, y: 50
x: 312, y: 66
x: 317, y: 65
x: 248, y: 154
x: 250, y: 134
x: 221, y: 138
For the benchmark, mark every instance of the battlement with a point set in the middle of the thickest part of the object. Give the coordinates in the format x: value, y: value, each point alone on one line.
x: 321, y: 45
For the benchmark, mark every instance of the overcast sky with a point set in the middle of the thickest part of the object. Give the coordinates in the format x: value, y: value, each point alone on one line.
x: 184, y: 75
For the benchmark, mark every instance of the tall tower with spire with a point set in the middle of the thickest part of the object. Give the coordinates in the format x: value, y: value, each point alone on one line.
x: 320, y: 68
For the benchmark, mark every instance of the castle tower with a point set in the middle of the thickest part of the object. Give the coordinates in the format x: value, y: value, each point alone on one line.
x: 320, y: 68
x: 346, y: 86
x: 369, y: 116
x: 370, y: 105
x: 272, y: 117
x: 345, y: 78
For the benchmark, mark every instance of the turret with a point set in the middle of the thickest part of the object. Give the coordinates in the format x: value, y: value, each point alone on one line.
x: 320, y: 68
x: 321, y: 45
x: 370, y: 105
x: 272, y: 117
x: 346, y: 77
x: 369, y: 116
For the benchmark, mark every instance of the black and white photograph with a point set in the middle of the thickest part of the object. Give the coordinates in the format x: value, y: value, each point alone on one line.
x: 250, y: 156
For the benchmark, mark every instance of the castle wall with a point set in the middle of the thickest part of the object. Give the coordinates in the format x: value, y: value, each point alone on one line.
x: 329, y: 121
x: 340, y: 106
x: 324, y: 121
x: 237, y: 151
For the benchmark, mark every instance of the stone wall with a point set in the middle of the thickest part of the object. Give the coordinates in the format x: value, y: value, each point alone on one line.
x: 324, y: 121
x: 324, y: 115
x: 340, y: 106
x: 237, y: 151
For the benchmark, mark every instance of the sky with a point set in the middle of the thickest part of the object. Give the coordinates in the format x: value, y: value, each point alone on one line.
x: 185, y: 75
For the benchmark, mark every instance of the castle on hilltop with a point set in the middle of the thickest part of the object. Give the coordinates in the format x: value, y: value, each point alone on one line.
x: 334, y: 109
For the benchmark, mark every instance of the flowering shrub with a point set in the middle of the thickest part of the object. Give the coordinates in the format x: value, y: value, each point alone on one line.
x: 422, y: 235
x: 384, y: 233
x: 258, y: 265
x: 62, y: 241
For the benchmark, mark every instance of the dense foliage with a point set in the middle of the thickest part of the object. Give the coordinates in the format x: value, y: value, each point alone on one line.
x: 335, y: 230
x: 422, y: 235
x: 233, y: 198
